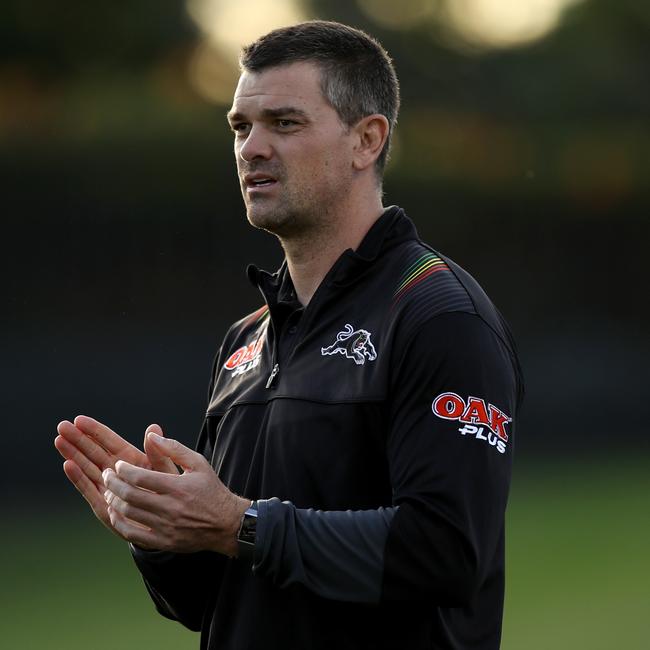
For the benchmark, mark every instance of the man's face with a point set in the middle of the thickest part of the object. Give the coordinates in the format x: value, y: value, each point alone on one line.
x: 293, y: 153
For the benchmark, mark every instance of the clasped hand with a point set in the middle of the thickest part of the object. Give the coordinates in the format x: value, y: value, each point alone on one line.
x: 142, y: 497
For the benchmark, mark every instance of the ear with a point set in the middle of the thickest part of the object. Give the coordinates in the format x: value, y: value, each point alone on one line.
x: 372, y: 133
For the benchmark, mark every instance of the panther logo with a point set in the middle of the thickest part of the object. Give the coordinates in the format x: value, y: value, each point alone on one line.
x: 354, y: 344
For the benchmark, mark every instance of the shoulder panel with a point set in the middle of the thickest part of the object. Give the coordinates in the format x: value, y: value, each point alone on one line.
x: 426, y: 286
x: 253, y: 319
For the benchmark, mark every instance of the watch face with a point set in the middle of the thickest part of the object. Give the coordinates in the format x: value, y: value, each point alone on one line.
x: 247, y: 534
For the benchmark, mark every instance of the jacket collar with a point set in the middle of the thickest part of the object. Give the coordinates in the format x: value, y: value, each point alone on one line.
x: 392, y: 228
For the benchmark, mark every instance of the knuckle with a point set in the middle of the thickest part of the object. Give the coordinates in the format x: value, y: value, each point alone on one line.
x: 174, y: 511
x: 181, y: 492
x: 174, y: 538
x: 128, y: 493
x: 115, y: 503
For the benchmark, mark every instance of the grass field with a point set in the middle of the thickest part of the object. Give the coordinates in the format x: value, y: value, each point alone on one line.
x: 579, y: 558
x: 578, y: 571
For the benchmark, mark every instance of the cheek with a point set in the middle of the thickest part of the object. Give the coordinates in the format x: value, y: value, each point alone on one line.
x: 337, y: 166
x: 323, y: 162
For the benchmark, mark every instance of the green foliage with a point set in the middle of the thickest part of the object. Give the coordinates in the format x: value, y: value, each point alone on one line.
x: 59, y: 40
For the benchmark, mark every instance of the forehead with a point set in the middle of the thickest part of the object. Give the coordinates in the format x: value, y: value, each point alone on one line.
x: 295, y: 84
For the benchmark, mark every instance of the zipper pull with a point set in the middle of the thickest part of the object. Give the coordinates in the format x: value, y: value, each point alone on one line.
x: 273, y: 375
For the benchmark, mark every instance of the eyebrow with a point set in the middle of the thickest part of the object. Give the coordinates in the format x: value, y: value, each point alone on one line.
x: 282, y: 111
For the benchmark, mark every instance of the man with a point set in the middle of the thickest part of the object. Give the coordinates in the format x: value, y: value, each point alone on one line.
x: 364, y: 413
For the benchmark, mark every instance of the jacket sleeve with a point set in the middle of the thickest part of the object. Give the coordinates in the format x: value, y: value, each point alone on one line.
x: 449, y: 446
x: 183, y: 585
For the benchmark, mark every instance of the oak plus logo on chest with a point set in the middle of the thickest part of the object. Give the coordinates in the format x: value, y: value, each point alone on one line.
x: 352, y: 344
x: 245, y: 358
x: 478, y: 417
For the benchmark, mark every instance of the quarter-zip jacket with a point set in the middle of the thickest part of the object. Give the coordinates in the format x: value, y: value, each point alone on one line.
x: 375, y: 428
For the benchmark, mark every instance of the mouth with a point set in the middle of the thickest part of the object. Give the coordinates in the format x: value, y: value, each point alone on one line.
x: 258, y: 181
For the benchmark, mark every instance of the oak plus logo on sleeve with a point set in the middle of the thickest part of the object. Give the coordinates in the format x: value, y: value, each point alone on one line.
x: 478, y: 417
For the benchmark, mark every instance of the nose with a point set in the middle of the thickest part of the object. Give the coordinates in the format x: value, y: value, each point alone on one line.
x: 255, y: 145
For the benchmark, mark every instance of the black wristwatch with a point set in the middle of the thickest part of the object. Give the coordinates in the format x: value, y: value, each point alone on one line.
x: 247, y: 533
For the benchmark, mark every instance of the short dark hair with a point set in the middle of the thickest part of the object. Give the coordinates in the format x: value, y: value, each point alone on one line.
x: 357, y: 75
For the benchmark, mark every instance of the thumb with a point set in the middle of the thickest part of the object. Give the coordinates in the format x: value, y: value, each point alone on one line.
x: 159, y: 460
x: 172, y: 450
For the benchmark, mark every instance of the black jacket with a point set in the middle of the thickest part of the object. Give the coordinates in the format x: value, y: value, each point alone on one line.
x: 375, y: 427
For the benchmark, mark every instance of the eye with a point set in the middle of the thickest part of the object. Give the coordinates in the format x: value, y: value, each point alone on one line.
x: 286, y: 124
x: 240, y: 128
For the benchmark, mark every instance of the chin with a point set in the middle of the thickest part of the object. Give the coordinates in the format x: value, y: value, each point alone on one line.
x: 278, y: 223
x: 284, y: 219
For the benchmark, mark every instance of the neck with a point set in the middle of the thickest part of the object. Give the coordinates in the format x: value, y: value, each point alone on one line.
x: 312, y: 254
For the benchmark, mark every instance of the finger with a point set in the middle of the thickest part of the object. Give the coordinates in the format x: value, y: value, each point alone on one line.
x: 158, y: 460
x: 134, y: 495
x: 128, y: 510
x: 88, y: 490
x: 70, y: 452
x: 154, y: 428
x: 110, y: 441
x: 146, y: 479
x: 86, y: 445
x: 181, y: 455
x: 131, y: 531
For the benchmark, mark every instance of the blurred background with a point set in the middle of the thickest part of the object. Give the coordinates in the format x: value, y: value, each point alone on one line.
x: 522, y: 152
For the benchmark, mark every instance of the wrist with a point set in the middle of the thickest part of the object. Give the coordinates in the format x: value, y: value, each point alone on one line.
x: 240, y: 508
x: 229, y: 545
